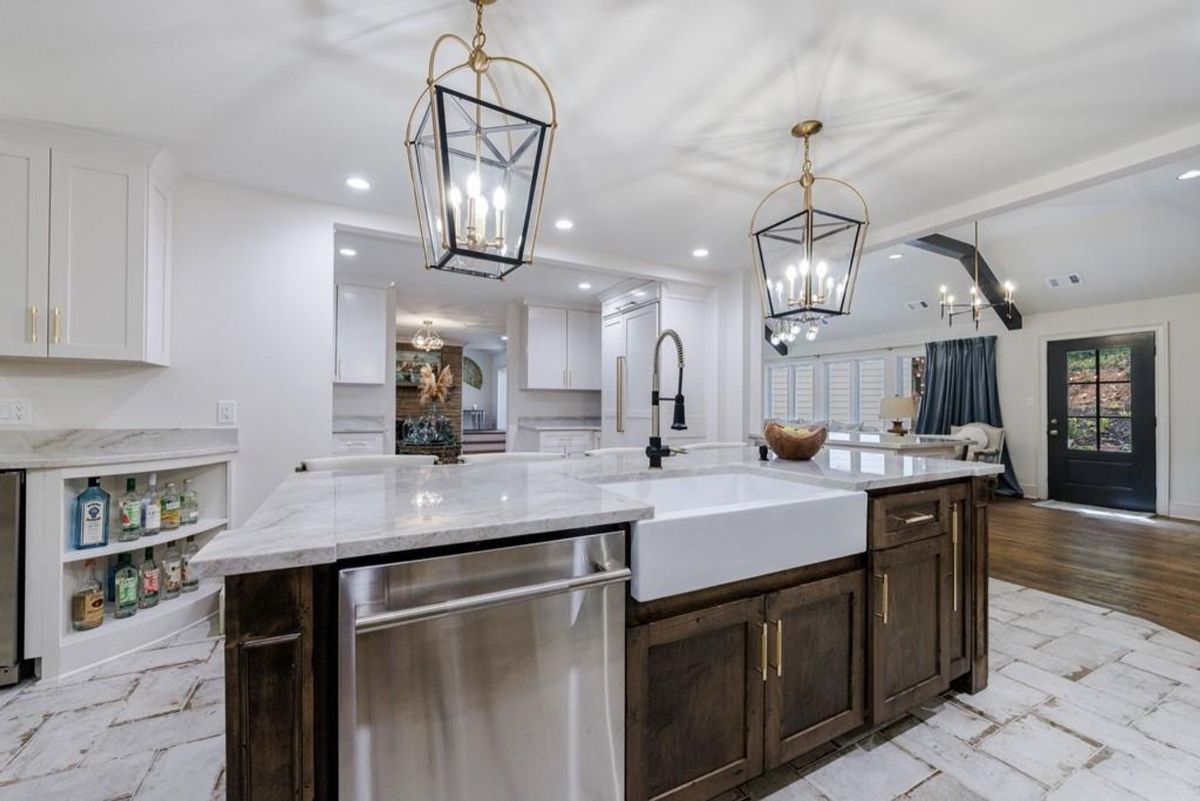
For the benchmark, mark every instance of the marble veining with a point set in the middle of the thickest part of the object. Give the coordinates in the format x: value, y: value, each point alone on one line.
x: 559, y: 423
x: 321, y: 517
x: 80, y: 447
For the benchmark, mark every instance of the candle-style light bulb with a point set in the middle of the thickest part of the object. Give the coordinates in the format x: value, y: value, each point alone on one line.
x: 482, y: 223
x: 473, y: 185
x: 942, y: 290
x: 500, y: 203
x: 804, y: 267
x: 822, y: 268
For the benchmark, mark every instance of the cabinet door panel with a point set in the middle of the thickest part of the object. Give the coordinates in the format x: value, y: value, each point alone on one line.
x: 612, y: 350
x: 583, y: 350
x: 546, y: 348
x: 694, y: 703
x: 641, y: 331
x: 24, y: 265
x: 97, y: 258
x: 910, y: 626
x: 816, y: 689
x: 362, y: 331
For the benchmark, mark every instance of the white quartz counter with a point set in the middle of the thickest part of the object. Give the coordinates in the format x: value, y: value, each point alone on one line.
x: 32, y: 449
x: 322, y: 517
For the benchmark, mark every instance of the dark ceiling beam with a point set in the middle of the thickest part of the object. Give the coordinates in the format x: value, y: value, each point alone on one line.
x: 964, y: 252
x: 781, y: 348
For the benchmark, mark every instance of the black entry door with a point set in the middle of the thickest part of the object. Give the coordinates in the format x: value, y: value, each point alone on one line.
x: 1101, y: 435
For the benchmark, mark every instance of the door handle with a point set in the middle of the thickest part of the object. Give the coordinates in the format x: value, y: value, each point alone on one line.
x: 779, y: 647
x: 884, y: 613
x: 620, y: 394
x: 762, y: 661
x: 1053, y: 432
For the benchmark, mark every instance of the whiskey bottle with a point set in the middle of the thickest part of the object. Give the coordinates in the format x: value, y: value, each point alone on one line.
x: 170, y: 508
x: 151, y: 508
x: 172, y: 571
x: 131, y: 512
x: 189, y: 508
x: 149, y: 581
x: 125, y: 586
x: 190, y: 582
x: 91, y: 516
x: 87, y: 604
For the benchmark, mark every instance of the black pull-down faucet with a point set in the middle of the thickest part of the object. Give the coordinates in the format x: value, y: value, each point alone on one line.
x: 655, y: 449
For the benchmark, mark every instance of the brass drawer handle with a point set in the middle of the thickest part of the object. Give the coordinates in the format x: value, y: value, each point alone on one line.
x: 763, y: 655
x: 923, y: 517
x: 954, y: 540
x: 779, y: 647
x: 884, y: 613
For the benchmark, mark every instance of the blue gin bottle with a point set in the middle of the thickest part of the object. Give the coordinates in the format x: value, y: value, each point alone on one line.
x: 91, y: 516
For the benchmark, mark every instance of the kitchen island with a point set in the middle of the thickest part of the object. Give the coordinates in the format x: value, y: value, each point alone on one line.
x: 720, y: 683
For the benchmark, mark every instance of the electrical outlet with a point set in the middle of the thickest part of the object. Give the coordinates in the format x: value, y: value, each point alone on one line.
x: 226, y: 413
x: 16, y: 412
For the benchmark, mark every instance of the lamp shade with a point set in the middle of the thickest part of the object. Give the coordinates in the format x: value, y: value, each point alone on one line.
x: 897, y: 408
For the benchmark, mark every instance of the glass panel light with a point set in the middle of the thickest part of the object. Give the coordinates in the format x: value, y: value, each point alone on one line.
x: 807, y: 257
x: 478, y: 166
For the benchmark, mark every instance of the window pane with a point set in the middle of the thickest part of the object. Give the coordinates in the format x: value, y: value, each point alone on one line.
x: 837, y: 388
x: 1115, y: 364
x: 805, y: 399
x: 1081, y: 400
x: 1081, y: 365
x: 1081, y: 434
x: 1116, y: 434
x: 870, y: 391
x: 1116, y: 399
x: 777, y: 392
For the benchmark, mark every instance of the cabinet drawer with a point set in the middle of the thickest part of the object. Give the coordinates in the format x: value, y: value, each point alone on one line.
x: 564, y: 441
x: 346, y: 444
x: 908, y: 517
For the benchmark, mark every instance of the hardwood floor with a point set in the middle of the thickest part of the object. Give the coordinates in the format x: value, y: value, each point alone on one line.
x: 1149, y: 569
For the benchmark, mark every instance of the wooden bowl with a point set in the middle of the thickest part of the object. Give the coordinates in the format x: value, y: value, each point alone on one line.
x: 795, y: 444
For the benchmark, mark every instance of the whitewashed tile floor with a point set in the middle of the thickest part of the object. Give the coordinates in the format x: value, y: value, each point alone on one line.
x: 1083, y: 704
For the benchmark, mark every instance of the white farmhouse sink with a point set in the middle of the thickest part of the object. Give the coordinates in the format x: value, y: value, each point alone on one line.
x: 722, y: 527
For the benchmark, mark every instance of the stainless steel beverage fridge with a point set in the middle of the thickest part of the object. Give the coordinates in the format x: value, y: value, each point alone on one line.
x: 12, y: 486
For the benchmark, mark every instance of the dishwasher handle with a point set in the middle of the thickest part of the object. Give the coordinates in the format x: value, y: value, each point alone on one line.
x: 366, y: 624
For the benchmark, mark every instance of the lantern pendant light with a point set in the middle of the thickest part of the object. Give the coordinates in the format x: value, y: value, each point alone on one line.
x: 807, y: 261
x: 479, y: 167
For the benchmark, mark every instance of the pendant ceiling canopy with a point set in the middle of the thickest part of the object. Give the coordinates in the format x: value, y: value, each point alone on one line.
x: 479, y: 165
x: 807, y: 255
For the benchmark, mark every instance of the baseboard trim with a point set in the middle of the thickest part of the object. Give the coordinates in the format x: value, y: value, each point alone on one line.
x: 1187, y: 511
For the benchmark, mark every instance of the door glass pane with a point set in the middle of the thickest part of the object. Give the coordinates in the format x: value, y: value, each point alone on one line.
x: 1116, y: 434
x: 1081, y: 400
x: 1115, y: 364
x: 1116, y: 399
x: 1081, y: 434
x: 1081, y: 365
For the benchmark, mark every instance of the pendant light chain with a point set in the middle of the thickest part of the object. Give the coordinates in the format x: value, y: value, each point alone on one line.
x: 480, y: 37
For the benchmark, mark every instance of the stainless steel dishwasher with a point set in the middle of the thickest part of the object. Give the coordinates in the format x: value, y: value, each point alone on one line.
x: 495, y: 675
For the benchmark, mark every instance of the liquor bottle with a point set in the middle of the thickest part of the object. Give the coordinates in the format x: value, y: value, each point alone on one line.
x: 131, y: 512
x: 170, y: 508
x: 149, y: 581
x: 126, y: 582
x: 172, y: 571
x: 91, y: 516
x: 189, y: 508
x: 151, y: 508
x: 190, y: 582
x: 87, y: 604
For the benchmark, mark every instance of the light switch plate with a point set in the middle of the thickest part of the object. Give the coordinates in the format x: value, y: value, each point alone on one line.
x: 226, y: 413
x: 16, y: 412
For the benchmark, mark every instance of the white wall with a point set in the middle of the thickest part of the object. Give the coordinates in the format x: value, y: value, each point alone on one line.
x: 484, y: 398
x: 252, y: 322
x: 1020, y: 363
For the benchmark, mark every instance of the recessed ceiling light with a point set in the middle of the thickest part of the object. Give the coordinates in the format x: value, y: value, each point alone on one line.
x: 585, y: 285
x: 504, y: 338
x: 894, y: 256
x: 358, y: 182
x: 638, y: 293
x: 700, y: 253
x: 564, y: 224
x: 1189, y: 175
x: 348, y: 252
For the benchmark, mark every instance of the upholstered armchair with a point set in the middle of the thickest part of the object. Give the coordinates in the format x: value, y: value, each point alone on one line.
x: 987, y: 442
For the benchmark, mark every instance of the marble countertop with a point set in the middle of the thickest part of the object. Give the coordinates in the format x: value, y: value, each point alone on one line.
x: 559, y: 423
x: 359, y: 424
x: 83, y: 447
x: 322, y: 517
x: 894, y: 442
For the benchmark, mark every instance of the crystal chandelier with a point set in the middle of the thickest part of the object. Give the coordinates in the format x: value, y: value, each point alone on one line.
x: 427, y: 339
x: 975, y: 306
x: 478, y: 167
x: 808, y: 259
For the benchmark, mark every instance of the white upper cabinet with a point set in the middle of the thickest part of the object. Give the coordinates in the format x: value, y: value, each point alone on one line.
x: 24, y: 232
x: 562, y: 349
x: 362, y: 335
x: 85, y: 225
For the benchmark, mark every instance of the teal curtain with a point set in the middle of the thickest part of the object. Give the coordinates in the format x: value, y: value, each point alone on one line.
x: 960, y: 388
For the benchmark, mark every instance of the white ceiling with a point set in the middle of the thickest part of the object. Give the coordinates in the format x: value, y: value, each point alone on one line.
x: 674, y: 115
x: 464, y: 310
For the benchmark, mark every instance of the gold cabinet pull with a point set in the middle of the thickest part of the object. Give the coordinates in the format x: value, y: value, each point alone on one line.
x: 922, y: 517
x: 884, y: 613
x: 762, y: 664
x: 954, y: 559
x: 56, y: 336
x: 620, y: 394
x: 779, y: 647
x: 33, y: 326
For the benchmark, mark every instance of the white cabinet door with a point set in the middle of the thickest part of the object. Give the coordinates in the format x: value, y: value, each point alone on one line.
x: 24, y: 235
x: 612, y: 358
x: 583, y: 350
x: 97, y: 258
x: 362, y: 333
x: 641, y: 331
x: 545, y: 348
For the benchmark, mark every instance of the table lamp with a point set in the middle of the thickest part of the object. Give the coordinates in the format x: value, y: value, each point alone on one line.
x: 897, y: 409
